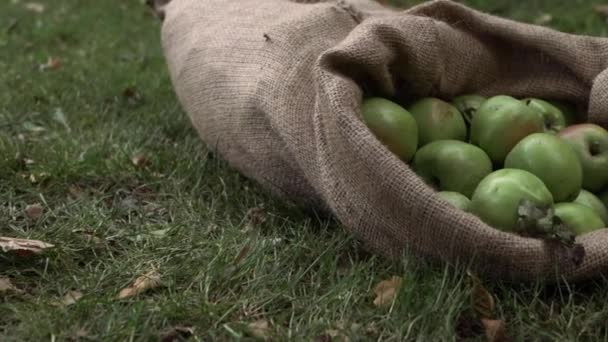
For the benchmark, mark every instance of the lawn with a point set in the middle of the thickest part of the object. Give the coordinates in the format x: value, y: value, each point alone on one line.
x: 92, y: 134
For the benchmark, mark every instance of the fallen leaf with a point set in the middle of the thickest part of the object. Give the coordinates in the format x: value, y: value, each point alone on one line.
x: 52, y: 63
x: 6, y: 285
x: 259, y: 329
x: 177, y: 334
x: 140, y: 160
x: 23, y: 247
x: 543, y: 19
x: 386, y: 290
x: 495, y: 330
x: 59, y: 116
x: 34, y: 211
x: 145, y: 282
x: 70, y: 298
x: 35, y: 7
x: 601, y: 9
x: 481, y: 300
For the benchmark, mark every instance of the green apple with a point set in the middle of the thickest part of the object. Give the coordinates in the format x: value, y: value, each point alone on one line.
x: 579, y: 218
x: 590, y: 143
x: 551, y: 159
x: 437, y: 120
x: 588, y: 199
x: 568, y: 110
x: 499, y: 196
x: 553, y: 116
x: 452, y: 165
x: 500, y: 123
x: 394, y: 126
x: 456, y: 199
x: 603, y: 196
x: 468, y: 105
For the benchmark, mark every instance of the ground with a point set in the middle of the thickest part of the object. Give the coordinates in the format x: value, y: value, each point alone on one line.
x: 91, y: 133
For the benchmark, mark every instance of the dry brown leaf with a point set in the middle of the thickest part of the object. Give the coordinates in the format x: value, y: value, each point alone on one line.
x: 140, y: 160
x: 601, y: 9
x: 386, y: 290
x: 70, y: 298
x: 259, y: 329
x: 23, y: 247
x: 481, y: 300
x: 145, y: 282
x: 34, y: 211
x: 52, y: 63
x: 495, y: 330
x: 177, y: 334
x: 35, y: 7
x: 6, y: 285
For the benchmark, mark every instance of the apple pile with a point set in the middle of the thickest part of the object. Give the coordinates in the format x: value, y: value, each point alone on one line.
x: 526, y: 166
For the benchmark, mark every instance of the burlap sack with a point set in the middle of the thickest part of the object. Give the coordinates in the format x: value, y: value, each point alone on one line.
x: 275, y: 87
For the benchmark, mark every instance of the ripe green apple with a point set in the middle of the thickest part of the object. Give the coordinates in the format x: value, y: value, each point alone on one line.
x: 456, y: 199
x: 437, y: 120
x: 568, y: 110
x: 498, y: 197
x: 468, y: 105
x: 553, y: 117
x: 590, y: 143
x: 579, y: 218
x: 552, y: 160
x: 394, y: 126
x: 588, y: 199
x: 603, y: 196
x: 500, y: 123
x: 452, y: 165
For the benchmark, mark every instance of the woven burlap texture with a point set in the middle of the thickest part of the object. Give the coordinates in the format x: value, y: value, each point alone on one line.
x: 275, y: 87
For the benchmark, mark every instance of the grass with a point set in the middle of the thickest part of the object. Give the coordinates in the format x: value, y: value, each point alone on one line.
x: 67, y: 140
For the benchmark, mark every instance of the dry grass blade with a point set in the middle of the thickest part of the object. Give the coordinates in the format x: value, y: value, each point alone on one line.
x: 144, y: 283
x: 386, y: 290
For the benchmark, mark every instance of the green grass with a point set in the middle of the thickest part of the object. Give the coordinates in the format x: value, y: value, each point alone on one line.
x: 186, y: 212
